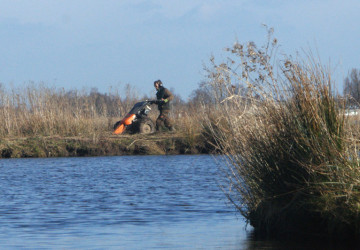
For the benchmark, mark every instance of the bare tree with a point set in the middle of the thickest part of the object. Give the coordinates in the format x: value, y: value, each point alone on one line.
x: 352, y: 87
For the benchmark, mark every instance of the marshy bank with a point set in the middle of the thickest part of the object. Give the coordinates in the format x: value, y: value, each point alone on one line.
x: 44, y: 121
x: 105, y: 145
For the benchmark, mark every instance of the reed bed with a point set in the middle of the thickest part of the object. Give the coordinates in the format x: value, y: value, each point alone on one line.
x: 37, y: 109
x: 292, y: 156
x: 40, y: 110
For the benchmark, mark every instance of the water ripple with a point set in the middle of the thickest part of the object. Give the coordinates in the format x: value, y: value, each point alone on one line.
x: 55, y: 200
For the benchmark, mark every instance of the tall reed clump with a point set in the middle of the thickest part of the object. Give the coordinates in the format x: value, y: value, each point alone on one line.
x: 292, y: 161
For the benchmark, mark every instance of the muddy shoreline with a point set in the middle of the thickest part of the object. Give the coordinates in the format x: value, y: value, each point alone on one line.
x: 103, y: 145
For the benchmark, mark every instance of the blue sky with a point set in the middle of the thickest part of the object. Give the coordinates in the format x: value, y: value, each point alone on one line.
x: 79, y: 44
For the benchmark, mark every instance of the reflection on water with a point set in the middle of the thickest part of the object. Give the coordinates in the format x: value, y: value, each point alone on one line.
x: 131, y: 202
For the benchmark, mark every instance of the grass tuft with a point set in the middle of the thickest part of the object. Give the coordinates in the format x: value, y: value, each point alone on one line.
x: 292, y: 161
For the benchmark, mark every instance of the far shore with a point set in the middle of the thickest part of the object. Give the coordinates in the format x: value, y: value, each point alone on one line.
x: 102, y: 145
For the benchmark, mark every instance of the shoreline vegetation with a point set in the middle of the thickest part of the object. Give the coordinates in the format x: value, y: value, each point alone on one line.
x: 106, y: 145
x: 293, y: 167
x: 43, y: 121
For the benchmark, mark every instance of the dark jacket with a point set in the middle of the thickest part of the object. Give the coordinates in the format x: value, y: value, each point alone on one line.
x: 164, y: 93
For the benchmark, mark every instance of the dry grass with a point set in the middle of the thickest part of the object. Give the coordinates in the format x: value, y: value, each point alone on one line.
x: 41, y: 110
x: 293, y: 165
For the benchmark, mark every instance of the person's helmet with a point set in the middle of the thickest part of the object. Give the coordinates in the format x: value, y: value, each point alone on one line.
x: 159, y: 82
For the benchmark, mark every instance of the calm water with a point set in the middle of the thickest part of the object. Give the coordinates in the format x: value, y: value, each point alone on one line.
x: 139, y: 202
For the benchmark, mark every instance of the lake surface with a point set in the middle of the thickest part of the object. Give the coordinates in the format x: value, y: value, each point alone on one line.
x: 127, y: 202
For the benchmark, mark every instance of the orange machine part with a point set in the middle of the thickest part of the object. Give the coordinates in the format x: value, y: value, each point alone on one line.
x: 128, y: 119
x: 119, y: 129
